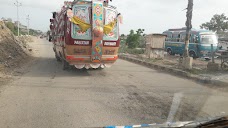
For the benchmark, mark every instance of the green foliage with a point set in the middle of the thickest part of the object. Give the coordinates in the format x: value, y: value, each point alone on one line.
x: 135, y: 51
x: 122, y: 35
x: 124, y: 49
x: 133, y: 39
x: 218, y: 23
x: 140, y: 31
x: 142, y: 43
x: 33, y: 32
x: 122, y: 42
x: 14, y: 30
x: 11, y: 26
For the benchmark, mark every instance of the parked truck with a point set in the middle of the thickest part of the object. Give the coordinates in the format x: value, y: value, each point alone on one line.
x: 85, y: 34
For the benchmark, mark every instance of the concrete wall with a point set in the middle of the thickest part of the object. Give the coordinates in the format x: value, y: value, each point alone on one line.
x: 157, y: 54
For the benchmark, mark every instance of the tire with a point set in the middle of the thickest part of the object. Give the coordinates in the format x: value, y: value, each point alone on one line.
x: 224, y: 65
x: 170, y: 52
x: 192, y: 54
x: 100, y: 68
x: 65, y: 65
x: 57, y: 57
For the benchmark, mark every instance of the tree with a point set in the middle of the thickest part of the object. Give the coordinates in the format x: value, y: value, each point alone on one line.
x: 33, y: 32
x: 140, y: 31
x: 218, y: 23
x: 133, y: 39
x: 122, y: 35
x: 142, y: 43
x: 123, y: 39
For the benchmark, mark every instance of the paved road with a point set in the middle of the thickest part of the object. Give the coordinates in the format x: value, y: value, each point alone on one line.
x: 127, y: 93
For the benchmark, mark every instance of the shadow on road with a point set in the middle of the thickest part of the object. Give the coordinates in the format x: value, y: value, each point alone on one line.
x: 48, y: 66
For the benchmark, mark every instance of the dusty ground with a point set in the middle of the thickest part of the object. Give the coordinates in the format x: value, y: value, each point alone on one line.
x: 127, y: 93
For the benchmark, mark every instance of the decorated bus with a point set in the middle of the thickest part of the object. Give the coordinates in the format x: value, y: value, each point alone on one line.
x: 85, y: 34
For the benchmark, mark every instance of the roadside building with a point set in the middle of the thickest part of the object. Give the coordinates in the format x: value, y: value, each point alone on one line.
x: 155, y: 45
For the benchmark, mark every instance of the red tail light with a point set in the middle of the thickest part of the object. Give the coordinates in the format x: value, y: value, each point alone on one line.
x: 112, y: 59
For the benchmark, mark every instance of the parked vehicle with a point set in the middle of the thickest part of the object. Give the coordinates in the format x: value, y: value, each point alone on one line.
x: 199, y: 43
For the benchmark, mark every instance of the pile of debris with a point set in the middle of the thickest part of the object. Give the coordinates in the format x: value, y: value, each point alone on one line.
x: 13, y: 51
x: 23, y: 40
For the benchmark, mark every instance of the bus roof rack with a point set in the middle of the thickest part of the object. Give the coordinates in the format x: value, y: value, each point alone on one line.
x: 177, y: 29
x: 180, y: 29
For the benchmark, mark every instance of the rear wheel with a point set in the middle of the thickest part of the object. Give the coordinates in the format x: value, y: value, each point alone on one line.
x: 224, y: 65
x: 192, y: 54
x: 170, y: 52
x: 57, y: 57
x: 65, y: 64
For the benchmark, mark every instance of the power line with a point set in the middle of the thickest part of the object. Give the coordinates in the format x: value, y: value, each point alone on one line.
x: 18, y: 27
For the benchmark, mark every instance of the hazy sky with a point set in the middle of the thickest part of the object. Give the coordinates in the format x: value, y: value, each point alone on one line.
x: 155, y: 16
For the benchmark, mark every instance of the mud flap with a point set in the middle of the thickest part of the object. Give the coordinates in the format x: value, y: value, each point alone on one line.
x: 97, y: 20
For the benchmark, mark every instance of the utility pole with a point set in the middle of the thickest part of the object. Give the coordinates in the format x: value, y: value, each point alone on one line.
x: 18, y: 27
x: 28, y: 23
x: 187, y: 61
x: 189, y: 26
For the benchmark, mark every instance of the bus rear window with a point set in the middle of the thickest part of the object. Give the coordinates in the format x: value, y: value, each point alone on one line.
x: 83, y: 12
x: 110, y: 15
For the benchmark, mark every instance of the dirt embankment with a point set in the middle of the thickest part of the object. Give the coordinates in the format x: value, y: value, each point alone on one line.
x: 13, y: 51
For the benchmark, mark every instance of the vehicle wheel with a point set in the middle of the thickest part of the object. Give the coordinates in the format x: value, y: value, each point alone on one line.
x: 100, y: 68
x: 65, y: 65
x: 224, y: 65
x: 57, y: 57
x: 192, y: 54
x: 170, y: 52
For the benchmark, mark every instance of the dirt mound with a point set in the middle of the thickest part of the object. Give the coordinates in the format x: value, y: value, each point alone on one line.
x: 24, y: 40
x: 12, y: 50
